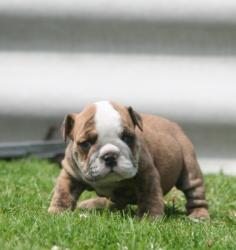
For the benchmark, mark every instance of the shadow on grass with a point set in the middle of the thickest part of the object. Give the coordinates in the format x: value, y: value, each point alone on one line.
x: 171, y: 211
x: 131, y: 212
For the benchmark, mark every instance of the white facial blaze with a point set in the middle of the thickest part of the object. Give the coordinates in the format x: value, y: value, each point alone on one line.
x: 107, y: 120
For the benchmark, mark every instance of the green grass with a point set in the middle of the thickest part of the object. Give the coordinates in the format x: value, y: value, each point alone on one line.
x: 25, y: 191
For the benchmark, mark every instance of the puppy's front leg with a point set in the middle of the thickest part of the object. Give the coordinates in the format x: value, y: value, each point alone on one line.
x: 66, y: 193
x: 149, y: 194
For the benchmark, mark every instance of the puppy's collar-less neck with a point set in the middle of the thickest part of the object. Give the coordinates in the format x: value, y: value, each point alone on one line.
x: 137, y: 155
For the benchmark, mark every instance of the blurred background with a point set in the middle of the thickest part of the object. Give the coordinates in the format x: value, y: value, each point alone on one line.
x: 172, y: 58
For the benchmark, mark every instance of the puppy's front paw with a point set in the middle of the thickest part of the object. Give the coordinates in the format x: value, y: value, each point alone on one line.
x: 55, y: 210
x: 150, y: 215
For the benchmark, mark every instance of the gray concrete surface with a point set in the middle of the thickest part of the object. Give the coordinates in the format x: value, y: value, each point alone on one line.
x: 177, y: 10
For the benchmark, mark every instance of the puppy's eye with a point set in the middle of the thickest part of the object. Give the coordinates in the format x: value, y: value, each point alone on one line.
x: 85, y: 145
x: 128, y: 139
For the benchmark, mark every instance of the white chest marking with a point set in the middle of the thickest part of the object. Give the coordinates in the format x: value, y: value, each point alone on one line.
x: 107, y: 120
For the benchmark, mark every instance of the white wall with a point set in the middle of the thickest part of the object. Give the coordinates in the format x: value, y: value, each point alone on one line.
x: 177, y: 60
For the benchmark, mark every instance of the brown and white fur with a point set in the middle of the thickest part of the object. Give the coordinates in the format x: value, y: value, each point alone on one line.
x: 127, y: 158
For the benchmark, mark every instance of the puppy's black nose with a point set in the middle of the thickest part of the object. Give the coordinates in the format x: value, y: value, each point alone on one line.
x: 110, y: 159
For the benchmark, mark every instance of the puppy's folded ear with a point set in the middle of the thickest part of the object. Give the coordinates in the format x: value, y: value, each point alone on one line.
x: 67, y: 126
x: 136, y: 118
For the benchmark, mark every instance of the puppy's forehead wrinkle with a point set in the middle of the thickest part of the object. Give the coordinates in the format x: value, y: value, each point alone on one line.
x: 108, y: 121
x: 87, y: 127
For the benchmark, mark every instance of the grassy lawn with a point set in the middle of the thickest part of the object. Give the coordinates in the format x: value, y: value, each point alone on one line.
x: 25, y: 190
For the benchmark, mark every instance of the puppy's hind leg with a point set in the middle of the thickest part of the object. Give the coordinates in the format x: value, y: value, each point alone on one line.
x: 94, y: 203
x: 192, y: 184
x: 99, y: 203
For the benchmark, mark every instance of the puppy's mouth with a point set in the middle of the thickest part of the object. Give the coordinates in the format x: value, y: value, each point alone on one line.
x: 107, y: 174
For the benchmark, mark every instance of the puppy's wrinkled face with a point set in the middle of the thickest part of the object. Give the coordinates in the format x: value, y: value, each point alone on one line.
x: 105, y: 146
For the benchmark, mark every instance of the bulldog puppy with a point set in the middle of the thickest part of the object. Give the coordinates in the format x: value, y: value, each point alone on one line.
x: 128, y: 158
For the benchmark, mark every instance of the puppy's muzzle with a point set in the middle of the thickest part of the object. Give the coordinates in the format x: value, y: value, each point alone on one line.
x: 110, y: 159
x: 109, y: 155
